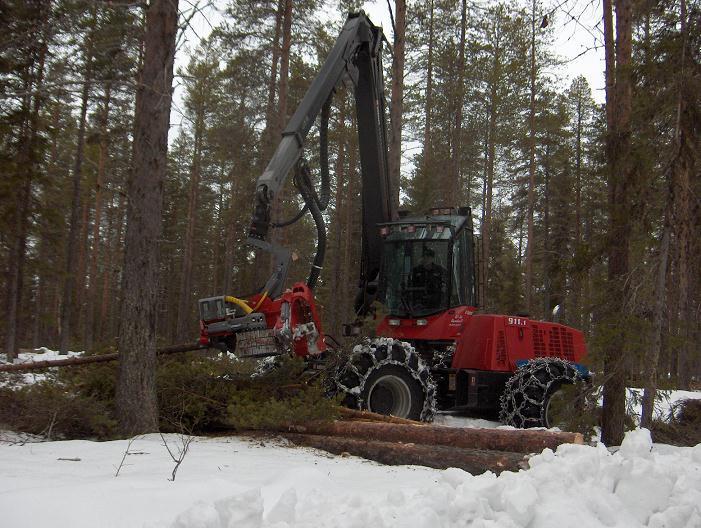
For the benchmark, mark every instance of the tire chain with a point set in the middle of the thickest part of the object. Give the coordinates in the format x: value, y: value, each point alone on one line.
x: 373, y: 354
x: 528, y: 388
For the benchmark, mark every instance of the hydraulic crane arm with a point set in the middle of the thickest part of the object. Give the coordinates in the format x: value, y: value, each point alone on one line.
x: 355, y: 59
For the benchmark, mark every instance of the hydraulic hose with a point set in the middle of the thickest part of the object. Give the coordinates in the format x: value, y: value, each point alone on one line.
x: 240, y: 303
x: 322, y: 201
x: 292, y: 220
x: 312, y: 201
x: 324, y: 155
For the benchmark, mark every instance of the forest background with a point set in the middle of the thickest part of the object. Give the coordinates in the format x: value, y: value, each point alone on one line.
x: 484, y: 119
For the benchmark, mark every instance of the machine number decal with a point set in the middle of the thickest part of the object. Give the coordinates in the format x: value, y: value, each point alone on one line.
x: 517, y: 321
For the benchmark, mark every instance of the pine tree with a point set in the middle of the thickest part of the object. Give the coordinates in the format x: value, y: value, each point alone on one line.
x: 136, y: 394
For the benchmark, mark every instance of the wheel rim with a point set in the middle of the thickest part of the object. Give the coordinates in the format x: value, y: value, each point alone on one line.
x: 390, y: 395
x: 550, y: 419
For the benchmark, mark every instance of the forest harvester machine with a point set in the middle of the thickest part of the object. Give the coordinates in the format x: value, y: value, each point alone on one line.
x: 436, y: 350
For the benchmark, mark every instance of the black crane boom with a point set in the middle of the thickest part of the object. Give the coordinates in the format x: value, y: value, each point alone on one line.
x: 355, y: 59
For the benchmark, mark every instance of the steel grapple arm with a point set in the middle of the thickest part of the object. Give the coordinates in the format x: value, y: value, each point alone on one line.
x: 356, y: 61
x: 274, y: 321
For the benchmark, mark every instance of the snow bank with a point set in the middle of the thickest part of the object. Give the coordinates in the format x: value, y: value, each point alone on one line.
x: 229, y: 482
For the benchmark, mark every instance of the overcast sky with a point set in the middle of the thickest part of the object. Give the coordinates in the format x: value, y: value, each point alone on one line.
x: 575, y: 24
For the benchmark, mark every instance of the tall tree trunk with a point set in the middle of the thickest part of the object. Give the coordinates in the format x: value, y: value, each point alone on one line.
x: 236, y: 177
x: 107, y: 318
x: 185, y: 322
x: 348, y: 294
x: 620, y: 180
x: 23, y: 195
x: 137, y: 407
x: 577, y: 275
x: 68, y: 310
x: 271, y: 120
x: 277, y: 236
x: 428, y: 103
x: 397, y: 102
x: 284, y: 66
x: 682, y: 217
x: 547, y: 271
x: 95, y: 253
x: 530, y: 240
x: 652, y: 359
x: 489, y: 182
x: 453, y: 186
x: 336, y: 265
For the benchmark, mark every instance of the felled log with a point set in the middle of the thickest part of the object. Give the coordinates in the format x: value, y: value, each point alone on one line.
x: 102, y: 358
x: 475, y: 461
x: 512, y: 440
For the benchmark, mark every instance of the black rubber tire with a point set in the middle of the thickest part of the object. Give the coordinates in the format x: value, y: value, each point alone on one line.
x: 525, y: 400
x: 388, y: 377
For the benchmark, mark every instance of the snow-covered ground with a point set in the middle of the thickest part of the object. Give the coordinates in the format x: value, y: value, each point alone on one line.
x: 235, y: 482
x: 232, y: 482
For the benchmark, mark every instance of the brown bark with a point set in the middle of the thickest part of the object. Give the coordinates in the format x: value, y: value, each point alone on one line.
x: 452, y: 188
x: 136, y: 393
x: 68, y: 309
x: 440, y: 457
x: 618, y: 105
x: 547, y: 275
x: 94, y: 255
x: 489, y: 180
x: 270, y: 128
x: 515, y: 440
x: 336, y: 272
x: 23, y: 195
x: 277, y: 236
x: 80, y: 274
x: 428, y: 104
x: 577, y: 275
x: 184, y: 320
x: 106, y: 322
x: 652, y: 359
x: 348, y: 228
x: 397, y: 101
x: 682, y: 216
x: 530, y: 240
x: 284, y: 65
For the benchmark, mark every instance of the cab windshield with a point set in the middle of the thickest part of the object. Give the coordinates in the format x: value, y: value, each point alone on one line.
x: 415, y: 278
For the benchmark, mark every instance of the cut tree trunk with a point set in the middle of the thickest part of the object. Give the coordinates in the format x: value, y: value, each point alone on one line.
x: 474, y: 461
x: 514, y: 440
x: 86, y: 360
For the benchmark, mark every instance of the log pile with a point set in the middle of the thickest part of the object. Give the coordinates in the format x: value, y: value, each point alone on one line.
x: 395, y: 441
x: 388, y: 439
